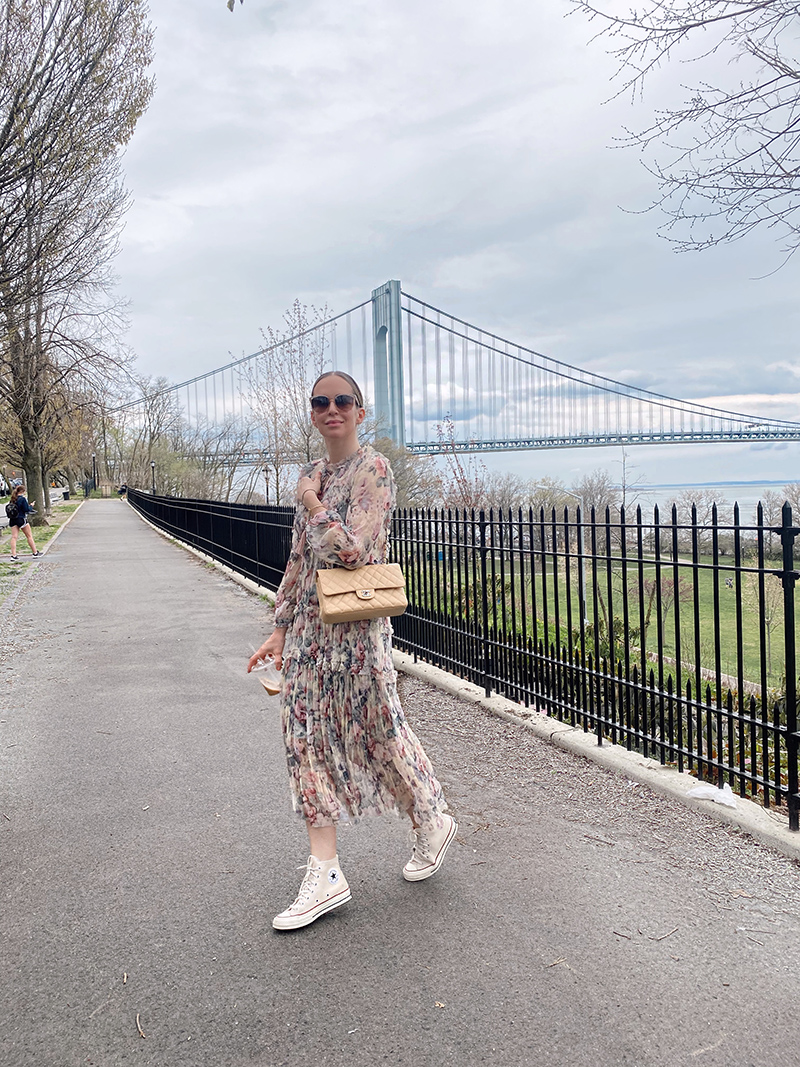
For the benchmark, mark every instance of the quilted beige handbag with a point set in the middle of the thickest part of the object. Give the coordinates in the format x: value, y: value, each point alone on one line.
x: 372, y: 592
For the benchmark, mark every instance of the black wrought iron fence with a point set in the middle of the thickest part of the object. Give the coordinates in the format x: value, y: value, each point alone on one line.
x: 672, y: 637
x: 253, y: 540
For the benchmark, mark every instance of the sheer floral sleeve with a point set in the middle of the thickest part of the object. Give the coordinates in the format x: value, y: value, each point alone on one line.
x: 360, y: 537
x: 286, y: 597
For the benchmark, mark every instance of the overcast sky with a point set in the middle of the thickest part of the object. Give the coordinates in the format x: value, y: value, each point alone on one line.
x: 315, y: 150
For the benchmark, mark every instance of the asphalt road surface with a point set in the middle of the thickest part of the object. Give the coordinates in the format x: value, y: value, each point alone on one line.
x: 147, y: 841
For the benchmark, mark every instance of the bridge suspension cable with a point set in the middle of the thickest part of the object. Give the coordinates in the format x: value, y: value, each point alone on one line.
x: 492, y: 394
x: 228, y: 393
x: 438, y: 382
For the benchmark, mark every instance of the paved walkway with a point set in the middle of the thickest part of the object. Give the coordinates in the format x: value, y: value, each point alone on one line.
x: 147, y: 841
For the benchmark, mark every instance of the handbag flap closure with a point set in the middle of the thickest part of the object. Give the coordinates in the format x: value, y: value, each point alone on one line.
x: 341, y: 580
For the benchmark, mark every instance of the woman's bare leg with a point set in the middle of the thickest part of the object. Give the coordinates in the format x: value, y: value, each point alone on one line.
x: 29, y: 537
x: 323, y: 888
x: 14, y: 536
x: 322, y: 841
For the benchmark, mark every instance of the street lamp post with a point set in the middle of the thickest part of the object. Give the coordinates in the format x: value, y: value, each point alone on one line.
x: 153, y: 473
x: 266, y: 479
x: 94, y: 471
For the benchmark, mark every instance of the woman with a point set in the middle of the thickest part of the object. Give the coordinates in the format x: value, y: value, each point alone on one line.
x: 21, y: 522
x: 349, y: 749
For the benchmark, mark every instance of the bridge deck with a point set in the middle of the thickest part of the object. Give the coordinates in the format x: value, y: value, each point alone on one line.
x: 147, y: 834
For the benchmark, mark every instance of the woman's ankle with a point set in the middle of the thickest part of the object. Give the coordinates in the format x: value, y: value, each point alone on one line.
x: 331, y: 861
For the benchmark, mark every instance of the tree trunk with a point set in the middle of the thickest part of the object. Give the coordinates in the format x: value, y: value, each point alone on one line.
x: 46, y: 509
x: 32, y: 465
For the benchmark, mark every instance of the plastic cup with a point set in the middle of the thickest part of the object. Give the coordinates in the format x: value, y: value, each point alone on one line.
x: 268, y: 674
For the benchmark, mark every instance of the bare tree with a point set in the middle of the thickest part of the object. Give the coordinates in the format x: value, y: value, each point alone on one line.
x: 705, y: 503
x: 504, y: 490
x: 280, y: 382
x: 696, y: 511
x: 548, y: 493
x: 791, y: 494
x: 629, y: 486
x: 207, y: 459
x: 417, y: 481
x: 61, y: 333
x: 72, y: 86
x: 653, y: 589
x: 733, y: 142
x: 149, y: 438
x: 772, y: 511
x: 598, y: 491
x: 468, y: 476
x: 768, y: 608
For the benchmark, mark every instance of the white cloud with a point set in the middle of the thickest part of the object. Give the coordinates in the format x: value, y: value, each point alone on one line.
x: 315, y: 150
x: 154, y: 224
x: 769, y: 405
x: 784, y: 365
x: 476, y: 270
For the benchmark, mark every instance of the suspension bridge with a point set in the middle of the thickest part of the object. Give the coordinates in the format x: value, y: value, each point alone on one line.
x: 436, y: 383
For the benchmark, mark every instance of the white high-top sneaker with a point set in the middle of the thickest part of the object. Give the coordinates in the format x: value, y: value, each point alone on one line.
x: 323, y: 888
x: 430, y: 844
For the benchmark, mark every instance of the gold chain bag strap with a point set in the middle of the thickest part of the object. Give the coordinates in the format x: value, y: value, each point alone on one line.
x: 376, y: 591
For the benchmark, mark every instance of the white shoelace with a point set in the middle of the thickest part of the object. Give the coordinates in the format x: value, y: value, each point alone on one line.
x: 307, y: 886
x: 420, y: 843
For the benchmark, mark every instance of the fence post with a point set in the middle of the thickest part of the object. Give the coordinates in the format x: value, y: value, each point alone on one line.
x: 788, y: 578
x: 487, y: 647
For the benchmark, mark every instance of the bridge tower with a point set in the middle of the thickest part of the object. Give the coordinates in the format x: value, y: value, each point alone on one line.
x: 387, y: 350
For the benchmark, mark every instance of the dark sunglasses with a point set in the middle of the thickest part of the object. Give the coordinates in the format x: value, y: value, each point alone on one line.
x: 343, y: 401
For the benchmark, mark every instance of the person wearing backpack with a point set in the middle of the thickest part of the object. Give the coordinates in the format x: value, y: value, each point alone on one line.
x: 18, y: 510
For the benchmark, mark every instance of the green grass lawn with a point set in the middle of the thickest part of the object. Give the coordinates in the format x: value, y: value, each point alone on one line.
x: 716, y: 615
x: 550, y: 590
x: 744, y: 746
x: 723, y: 620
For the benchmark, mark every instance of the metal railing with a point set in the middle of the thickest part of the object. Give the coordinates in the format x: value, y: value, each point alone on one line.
x: 253, y: 540
x: 673, y: 637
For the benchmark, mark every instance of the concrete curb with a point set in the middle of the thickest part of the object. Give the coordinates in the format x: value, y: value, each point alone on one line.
x: 771, y: 828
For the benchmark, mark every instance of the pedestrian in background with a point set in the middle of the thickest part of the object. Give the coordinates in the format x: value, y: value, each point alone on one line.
x: 21, y: 509
x: 349, y: 748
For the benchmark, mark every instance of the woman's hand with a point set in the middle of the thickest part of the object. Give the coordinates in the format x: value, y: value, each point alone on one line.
x: 273, y: 646
x: 309, y: 485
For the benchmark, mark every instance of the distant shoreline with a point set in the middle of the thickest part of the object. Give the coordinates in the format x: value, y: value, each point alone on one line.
x: 707, y: 485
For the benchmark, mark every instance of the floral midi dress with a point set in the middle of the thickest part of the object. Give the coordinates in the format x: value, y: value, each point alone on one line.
x: 349, y: 749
